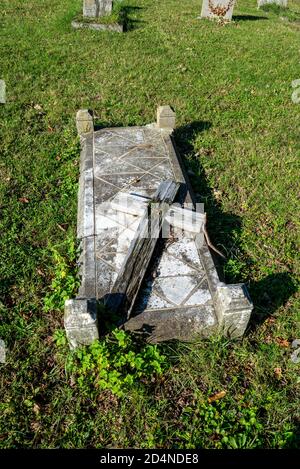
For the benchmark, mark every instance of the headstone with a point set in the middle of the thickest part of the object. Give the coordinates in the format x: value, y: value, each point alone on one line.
x: 2, y: 92
x: 281, y: 3
x: 166, y: 117
x: 222, y: 9
x: 96, y: 8
x: 84, y: 121
x: 2, y: 351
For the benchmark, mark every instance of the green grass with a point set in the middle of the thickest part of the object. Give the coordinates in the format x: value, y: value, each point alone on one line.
x: 238, y: 130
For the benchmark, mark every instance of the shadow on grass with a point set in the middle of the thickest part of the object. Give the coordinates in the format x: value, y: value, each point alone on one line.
x: 269, y: 294
x: 223, y: 228
x: 248, y: 18
x: 130, y: 23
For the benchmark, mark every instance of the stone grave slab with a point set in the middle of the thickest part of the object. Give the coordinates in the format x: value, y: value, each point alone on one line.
x: 181, y: 296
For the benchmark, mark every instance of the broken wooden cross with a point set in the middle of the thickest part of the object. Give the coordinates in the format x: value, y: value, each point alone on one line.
x: 131, y: 274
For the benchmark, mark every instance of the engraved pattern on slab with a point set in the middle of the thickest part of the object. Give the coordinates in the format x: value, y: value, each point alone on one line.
x: 105, y: 278
x: 144, y: 152
x: 104, y: 165
x: 146, y: 164
x: 154, y: 136
x: 149, y: 299
x: 114, y: 259
x: 186, y: 250
x: 175, y: 289
x: 115, y: 151
x: 106, y: 240
x: 132, y: 135
x: 200, y: 297
x: 147, y: 181
x: 122, y: 180
x: 107, y: 218
x: 163, y: 171
x: 100, y: 139
x: 103, y: 190
x: 169, y: 266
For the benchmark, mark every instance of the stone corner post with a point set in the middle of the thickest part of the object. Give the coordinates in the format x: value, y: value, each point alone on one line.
x: 166, y: 117
x: 84, y: 121
x: 80, y: 321
x: 233, y: 307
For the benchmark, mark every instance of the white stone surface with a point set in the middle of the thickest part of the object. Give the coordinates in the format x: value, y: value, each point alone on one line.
x: 176, y: 289
x: 170, y: 266
x: 281, y: 3
x: 185, y: 248
x: 129, y: 203
x: 2, y: 92
x: 200, y: 297
x: 186, y: 219
x: 222, y: 9
x: 2, y: 351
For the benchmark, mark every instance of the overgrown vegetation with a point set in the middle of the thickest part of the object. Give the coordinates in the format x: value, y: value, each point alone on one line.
x: 114, y: 363
x: 238, y: 131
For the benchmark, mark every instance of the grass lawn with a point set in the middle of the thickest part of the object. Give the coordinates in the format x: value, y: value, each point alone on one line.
x: 238, y: 131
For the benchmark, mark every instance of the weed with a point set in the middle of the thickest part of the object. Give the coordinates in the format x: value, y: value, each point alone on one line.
x: 115, y: 364
x: 65, y: 282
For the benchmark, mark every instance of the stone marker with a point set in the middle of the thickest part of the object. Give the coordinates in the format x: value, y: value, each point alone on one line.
x: 222, y: 9
x: 166, y: 117
x: 2, y: 92
x: 233, y: 308
x: 97, y: 8
x: 80, y: 322
x: 281, y: 3
x: 84, y: 121
x: 2, y: 351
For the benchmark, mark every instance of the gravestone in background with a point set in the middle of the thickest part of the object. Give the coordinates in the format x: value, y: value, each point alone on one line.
x: 2, y: 92
x: 222, y: 9
x: 281, y: 3
x: 96, y: 8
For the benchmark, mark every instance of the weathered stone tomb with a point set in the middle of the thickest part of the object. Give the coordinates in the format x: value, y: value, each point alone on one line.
x: 174, y: 291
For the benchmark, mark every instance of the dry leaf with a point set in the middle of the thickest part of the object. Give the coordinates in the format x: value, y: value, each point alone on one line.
x: 61, y: 227
x: 35, y: 426
x: 278, y: 373
x: 23, y: 200
x: 282, y: 342
x: 268, y: 339
x: 36, y: 409
x: 217, y: 396
x: 270, y: 320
